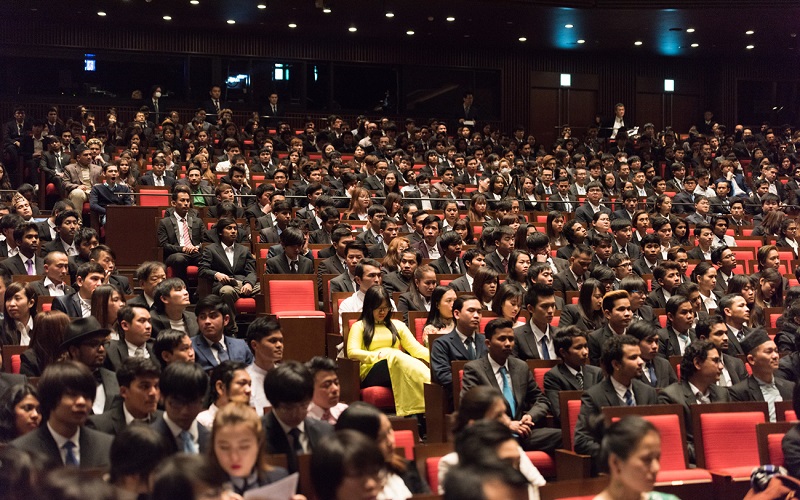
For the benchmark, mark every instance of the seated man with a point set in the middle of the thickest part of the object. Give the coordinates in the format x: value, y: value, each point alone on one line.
x: 656, y: 371
x: 66, y: 227
x: 337, y: 262
x: 149, y: 274
x: 138, y: 388
x: 504, y: 245
x: 85, y: 240
x: 212, y: 347
x: 105, y: 256
x: 473, y: 260
x: 135, y: 337
x: 668, y: 276
x: 679, y: 333
x: 400, y: 280
x: 622, y: 362
x: 617, y: 311
x: 701, y: 367
x: 265, y: 339
x: 290, y: 261
x: 288, y: 428
x: 367, y: 274
x: 56, y: 272
x: 79, y: 177
x: 229, y: 383
x: 109, y: 192
x: 713, y: 329
x: 325, y: 404
x: 27, y: 260
x: 574, y: 373
x: 534, y: 340
x: 183, y: 389
x: 527, y: 406
x: 180, y: 234
x: 79, y: 304
x: 169, y: 309
x: 355, y: 251
x: 66, y: 393
x: 173, y: 346
x: 571, y: 279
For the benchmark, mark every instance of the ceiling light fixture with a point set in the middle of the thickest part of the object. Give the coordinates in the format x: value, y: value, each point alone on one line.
x: 194, y: 2
x: 352, y: 29
x: 231, y: 21
x: 569, y: 26
x: 523, y: 39
x: 450, y: 19
x: 326, y: 10
x: 637, y: 42
x: 749, y: 32
x: 690, y: 30
x: 292, y: 25
x: 167, y: 18
x: 581, y: 41
x: 390, y: 14
x: 101, y: 14
x: 410, y: 32
x: 695, y: 45
x: 261, y: 6
x: 750, y: 47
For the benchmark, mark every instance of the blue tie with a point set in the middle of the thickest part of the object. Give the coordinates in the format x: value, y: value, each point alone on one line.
x: 629, y: 398
x: 545, y: 350
x: 188, y: 442
x: 508, y: 393
x: 70, y: 458
x: 221, y: 352
x: 651, y: 369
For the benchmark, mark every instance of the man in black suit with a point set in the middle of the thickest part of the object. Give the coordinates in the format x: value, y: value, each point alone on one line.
x: 288, y: 428
x: 618, y: 314
x: 180, y: 234
x: 283, y: 214
x: 733, y: 309
x: 67, y: 390
x: 183, y: 390
x: 527, y: 406
x: 610, y: 127
x: 679, y: 333
x: 214, y: 105
x: 668, y: 276
x: 229, y: 266
x: 622, y: 362
x: 701, y: 368
x: 424, y: 197
x: 621, y: 229
x: 629, y: 203
x: 105, y: 256
x: 504, y: 245
x: 572, y: 278
x: 534, y: 339
x: 464, y: 343
x: 389, y: 230
x: 336, y: 263
x: 84, y: 342
x: 450, y: 262
x: 14, y: 132
x: 656, y: 371
x: 135, y: 339
x: 400, y: 280
x: 138, y: 388
x: 27, y: 261
x: 79, y: 303
x: 291, y: 261
x: 271, y: 111
x: 650, y: 255
x: 713, y: 329
x: 66, y: 228
x: 762, y: 385
x: 574, y: 373
x: 562, y: 200
x: 473, y: 260
x: 157, y: 176
x: 585, y: 213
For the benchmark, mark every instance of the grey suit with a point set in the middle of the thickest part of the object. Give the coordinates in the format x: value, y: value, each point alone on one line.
x: 161, y: 427
x: 748, y: 390
x: 460, y: 284
x: 160, y: 322
x: 559, y: 378
x: 94, y: 446
x: 680, y: 393
x: 668, y: 344
x: 342, y: 283
x: 113, y: 421
x: 395, y: 282
x: 565, y: 281
x: 16, y: 265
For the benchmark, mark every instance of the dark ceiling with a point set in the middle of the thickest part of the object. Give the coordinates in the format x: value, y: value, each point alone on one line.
x: 603, y: 25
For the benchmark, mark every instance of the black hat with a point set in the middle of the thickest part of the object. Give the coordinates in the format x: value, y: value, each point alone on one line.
x: 80, y: 328
x: 753, y: 340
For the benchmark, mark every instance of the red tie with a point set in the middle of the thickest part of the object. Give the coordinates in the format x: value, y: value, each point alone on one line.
x: 187, y: 240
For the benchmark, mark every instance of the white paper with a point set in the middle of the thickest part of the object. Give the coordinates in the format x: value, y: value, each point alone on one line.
x: 279, y: 490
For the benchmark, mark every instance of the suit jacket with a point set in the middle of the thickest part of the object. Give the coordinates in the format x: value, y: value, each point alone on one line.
x: 585, y: 214
x: 695, y: 254
x: 69, y: 304
x: 279, y: 265
x: 149, y: 180
x: 559, y: 378
x: 450, y: 348
x: 680, y: 393
x: 16, y: 265
x: 161, y: 427
x: 565, y: 281
x: 101, y: 196
x: 665, y: 374
x: 459, y: 284
x: 160, y: 321
x: 73, y: 176
x: 640, y: 266
x: 748, y: 390
x: 168, y: 233
x: 320, y: 237
x: 656, y: 299
x: 278, y: 443
x: 44, y: 231
x: 668, y: 344
x: 527, y: 395
x: 441, y: 267
x: 493, y: 261
x: 269, y: 235
x: 734, y: 347
x: 237, y: 349
x: 432, y: 194
x: 394, y: 282
x: 597, y: 397
x: 377, y: 251
x: 342, y: 283
x: 9, y: 379
x: 117, y: 353
x: 633, y: 250
x: 214, y: 260
x: 645, y: 313
x: 736, y: 369
x: 95, y: 446
x: 791, y: 451
x: 113, y: 421
x: 525, y: 346
x: 557, y: 203
x: 596, y: 340
x: 571, y: 315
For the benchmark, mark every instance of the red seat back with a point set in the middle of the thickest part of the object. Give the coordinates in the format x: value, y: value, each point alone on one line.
x: 775, y: 448
x: 573, y: 409
x: 432, y: 469
x: 291, y: 295
x: 16, y: 363
x: 419, y: 325
x: 669, y: 426
x: 47, y: 306
x: 773, y: 320
x: 790, y: 415
x: 723, y: 452
x: 662, y: 320
x: 153, y: 198
x: 538, y: 375
x: 405, y: 440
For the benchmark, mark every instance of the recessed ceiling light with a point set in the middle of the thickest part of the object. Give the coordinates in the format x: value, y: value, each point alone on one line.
x: 637, y: 42
x: 410, y: 32
x: 292, y: 25
x: 167, y: 18
x: 569, y: 26
x: 261, y: 6
x: 352, y: 29
x: 194, y: 2
x: 750, y: 47
x: 581, y: 41
x: 695, y: 45
x: 690, y: 30
x: 231, y: 21
x: 523, y: 39
x: 450, y: 19
x: 326, y: 10
x: 101, y: 14
x: 390, y: 14
x: 749, y: 32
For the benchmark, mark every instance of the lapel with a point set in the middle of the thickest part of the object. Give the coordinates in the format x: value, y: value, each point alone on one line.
x: 753, y: 389
x: 455, y: 341
x: 201, y: 349
x: 689, y: 398
x: 530, y: 340
x: 487, y: 369
x: 51, y: 448
x: 224, y: 258
x: 673, y: 340
x: 733, y: 341
x: 76, y: 304
x: 611, y: 395
x: 110, y: 386
x: 569, y: 377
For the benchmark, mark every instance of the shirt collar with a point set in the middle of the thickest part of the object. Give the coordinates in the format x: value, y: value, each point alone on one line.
x: 695, y: 390
x: 495, y: 366
x: 175, y: 429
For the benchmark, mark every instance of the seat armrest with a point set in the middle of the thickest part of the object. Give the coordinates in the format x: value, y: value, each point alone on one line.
x: 570, y: 465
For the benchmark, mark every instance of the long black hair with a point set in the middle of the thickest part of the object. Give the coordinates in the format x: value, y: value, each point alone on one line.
x: 10, y: 399
x: 373, y: 299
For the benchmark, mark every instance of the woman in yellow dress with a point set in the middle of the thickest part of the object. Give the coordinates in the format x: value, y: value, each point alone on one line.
x: 375, y: 340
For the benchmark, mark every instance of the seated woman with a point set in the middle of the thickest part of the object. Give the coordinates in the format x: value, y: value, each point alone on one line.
x: 508, y: 301
x: 396, y: 248
x: 587, y: 314
x: 171, y: 298
x: 787, y: 236
x: 518, y: 264
x: 238, y: 450
x: 440, y: 317
x: 403, y: 479
x: 107, y: 300
x: 46, y: 339
x: 418, y: 296
x: 20, y: 308
x: 375, y: 340
x: 19, y: 412
x: 484, y: 286
x: 347, y: 465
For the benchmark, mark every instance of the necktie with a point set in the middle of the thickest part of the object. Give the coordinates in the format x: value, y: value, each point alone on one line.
x: 188, y: 442
x: 138, y: 353
x: 221, y: 352
x: 470, y: 347
x: 651, y: 370
x: 216, y: 105
x: 70, y: 458
x: 545, y: 350
x: 454, y: 267
x: 547, y: 190
x: 31, y: 270
x: 504, y: 263
x: 274, y: 111
x: 58, y: 161
x: 701, y: 399
x: 580, y: 282
x: 327, y: 417
x: 294, y: 448
x: 629, y: 398
x: 187, y: 240
x: 579, y: 376
x: 293, y: 265
x: 508, y: 393
x: 684, y: 342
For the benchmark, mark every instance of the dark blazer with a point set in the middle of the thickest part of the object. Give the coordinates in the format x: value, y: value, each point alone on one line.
x: 645, y: 313
x: 585, y: 214
x: 278, y: 443
x: 565, y: 281
x: 656, y: 299
x: 407, y: 303
x: 9, y: 379
x: 117, y: 353
x: 734, y: 347
x: 168, y: 233
x: 633, y: 250
x: 16, y: 265
x: 432, y: 194
x: 665, y: 374
x: 450, y: 348
x: 736, y: 369
x: 441, y: 267
x: 113, y: 421
x: 149, y: 180
x: 68, y: 304
x: 459, y: 284
x: 525, y: 346
x: 269, y: 235
x: 559, y: 378
x: 320, y: 237
x: 377, y: 251
x: 748, y: 390
x: 279, y: 265
x: 791, y: 451
x: 640, y: 266
x: 160, y: 321
x: 29, y: 365
x: 342, y: 283
x: 95, y: 446
x: 101, y: 196
x: 527, y: 395
x: 597, y: 397
x: 681, y: 394
x: 161, y: 427
x: 668, y: 344
x: 571, y: 315
x: 238, y: 350
x: 494, y: 262
x: 557, y: 203
x: 110, y: 387
x: 214, y: 261
x: 695, y: 254
x: 596, y: 340
x: 394, y: 282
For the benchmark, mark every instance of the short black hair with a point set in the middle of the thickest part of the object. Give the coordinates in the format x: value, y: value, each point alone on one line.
x: 497, y: 324
x: 290, y: 382
x: 537, y: 291
x: 564, y: 336
x: 211, y: 302
x: 261, y: 327
x: 167, y: 340
x: 184, y: 381
x: 224, y: 372
x: 136, y: 367
x: 697, y: 350
x: 60, y: 378
x: 613, y: 350
x: 321, y: 364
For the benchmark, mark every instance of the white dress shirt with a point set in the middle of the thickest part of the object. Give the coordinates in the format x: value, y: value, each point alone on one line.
x: 61, y: 441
